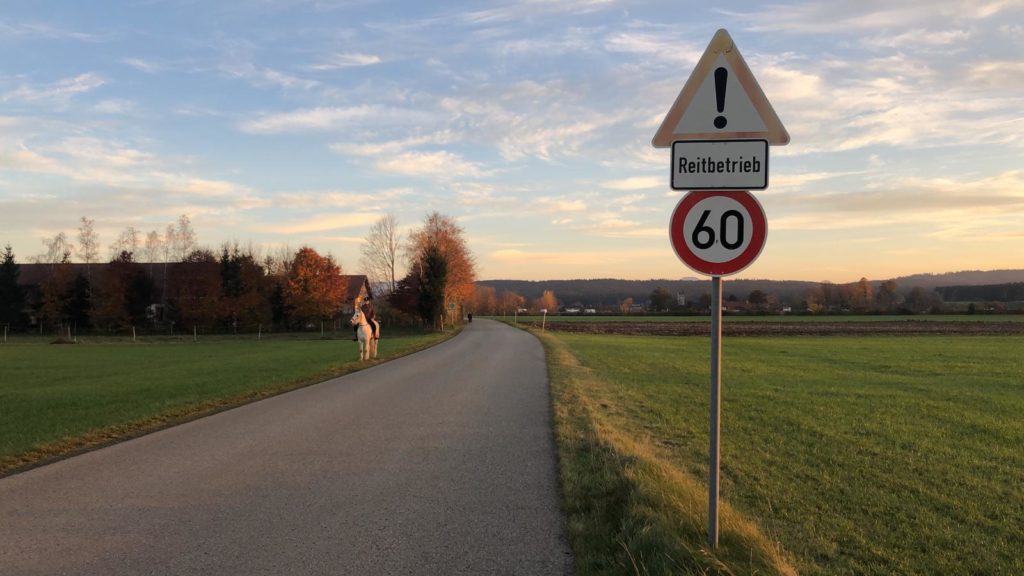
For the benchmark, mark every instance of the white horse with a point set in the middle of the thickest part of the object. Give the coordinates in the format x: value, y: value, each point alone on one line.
x: 367, y: 343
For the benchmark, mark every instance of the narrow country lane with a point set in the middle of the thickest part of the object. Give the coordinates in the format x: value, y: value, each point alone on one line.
x: 439, y: 463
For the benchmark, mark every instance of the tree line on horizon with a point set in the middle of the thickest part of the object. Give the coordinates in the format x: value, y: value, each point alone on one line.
x: 236, y: 288
x: 861, y: 297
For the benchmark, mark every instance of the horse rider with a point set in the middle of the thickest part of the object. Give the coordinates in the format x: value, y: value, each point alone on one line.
x: 371, y: 318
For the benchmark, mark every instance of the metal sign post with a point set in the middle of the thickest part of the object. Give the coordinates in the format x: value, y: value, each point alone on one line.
x: 714, y: 459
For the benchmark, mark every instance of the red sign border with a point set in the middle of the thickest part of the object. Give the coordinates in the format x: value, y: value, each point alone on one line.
x: 696, y: 263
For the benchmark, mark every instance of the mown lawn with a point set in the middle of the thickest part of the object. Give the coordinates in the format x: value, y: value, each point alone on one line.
x: 853, y: 455
x: 56, y: 399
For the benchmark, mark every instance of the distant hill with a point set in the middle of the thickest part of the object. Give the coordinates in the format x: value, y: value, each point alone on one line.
x: 962, y: 278
x: 610, y: 291
x: 1010, y: 292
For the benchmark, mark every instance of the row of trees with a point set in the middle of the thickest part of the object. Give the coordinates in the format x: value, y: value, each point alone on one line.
x: 236, y: 288
x: 859, y: 297
x: 229, y: 291
x: 176, y: 243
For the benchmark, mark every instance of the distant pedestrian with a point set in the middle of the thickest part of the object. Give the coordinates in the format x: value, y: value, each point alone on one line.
x: 470, y: 317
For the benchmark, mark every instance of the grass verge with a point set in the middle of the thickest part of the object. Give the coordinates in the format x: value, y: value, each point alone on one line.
x: 773, y: 318
x: 628, y: 510
x: 57, y: 401
x: 857, y: 455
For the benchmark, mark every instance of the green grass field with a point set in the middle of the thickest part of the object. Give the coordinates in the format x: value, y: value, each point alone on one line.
x: 777, y: 318
x: 56, y: 399
x: 851, y: 455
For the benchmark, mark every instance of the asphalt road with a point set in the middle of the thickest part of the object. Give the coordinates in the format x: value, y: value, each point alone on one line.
x: 442, y: 463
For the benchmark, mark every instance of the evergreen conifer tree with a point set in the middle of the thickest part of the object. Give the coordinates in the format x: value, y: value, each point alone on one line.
x: 432, y: 284
x: 12, y: 295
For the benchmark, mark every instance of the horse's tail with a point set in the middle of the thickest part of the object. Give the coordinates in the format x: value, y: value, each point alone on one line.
x: 376, y: 329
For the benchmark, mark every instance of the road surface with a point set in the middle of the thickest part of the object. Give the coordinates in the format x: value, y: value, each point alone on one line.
x: 442, y: 463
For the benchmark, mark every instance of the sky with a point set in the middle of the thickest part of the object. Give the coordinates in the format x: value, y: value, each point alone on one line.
x: 302, y: 122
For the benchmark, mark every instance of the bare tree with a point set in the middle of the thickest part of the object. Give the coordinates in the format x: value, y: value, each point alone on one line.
x: 252, y: 250
x: 88, y: 244
x: 151, y: 251
x: 128, y: 241
x: 486, y: 300
x: 184, y: 237
x: 170, y: 240
x: 58, y: 250
x: 279, y: 260
x: 510, y: 301
x: 380, y: 252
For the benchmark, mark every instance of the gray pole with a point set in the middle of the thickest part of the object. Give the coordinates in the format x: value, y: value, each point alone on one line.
x: 714, y: 460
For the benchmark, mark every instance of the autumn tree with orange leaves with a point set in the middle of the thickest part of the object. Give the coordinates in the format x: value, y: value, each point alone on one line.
x: 314, y: 289
x: 442, y: 232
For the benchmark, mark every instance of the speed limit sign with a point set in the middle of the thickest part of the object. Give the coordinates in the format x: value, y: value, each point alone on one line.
x: 718, y: 233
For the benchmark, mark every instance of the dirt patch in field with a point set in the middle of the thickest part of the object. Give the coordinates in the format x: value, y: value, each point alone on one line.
x: 901, y: 328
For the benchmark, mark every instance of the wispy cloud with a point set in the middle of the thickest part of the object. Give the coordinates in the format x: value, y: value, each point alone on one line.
x: 325, y: 119
x: 91, y: 163
x: 263, y: 76
x: 853, y: 16
x: 436, y: 164
x: 376, y: 200
x: 346, y: 60
x: 1004, y: 75
x: 401, y: 157
x: 894, y: 100
x: 528, y: 8
x: 381, y: 148
x: 919, y: 38
x: 142, y: 65
x: 539, y: 263
x: 59, y: 92
x: 635, y: 183
x: 788, y: 182
x: 571, y: 41
x: 325, y: 223
x: 546, y: 120
x: 41, y: 31
x: 558, y: 205
x: 115, y: 106
x: 660, y: 45
x: 989, y: 207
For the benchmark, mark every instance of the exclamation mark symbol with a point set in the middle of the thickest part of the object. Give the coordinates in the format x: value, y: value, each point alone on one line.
x: 721, y: 75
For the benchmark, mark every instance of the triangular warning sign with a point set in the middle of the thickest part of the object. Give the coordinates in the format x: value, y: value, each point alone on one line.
x: 721, y: 101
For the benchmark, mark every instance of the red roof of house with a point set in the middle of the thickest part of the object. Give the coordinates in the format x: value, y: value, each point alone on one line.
x: 354, y: 283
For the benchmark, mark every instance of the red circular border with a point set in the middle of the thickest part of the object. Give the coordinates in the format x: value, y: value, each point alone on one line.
x: 759, y: 228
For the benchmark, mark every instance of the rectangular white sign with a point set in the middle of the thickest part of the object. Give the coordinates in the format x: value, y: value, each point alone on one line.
x: 720, y: 164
